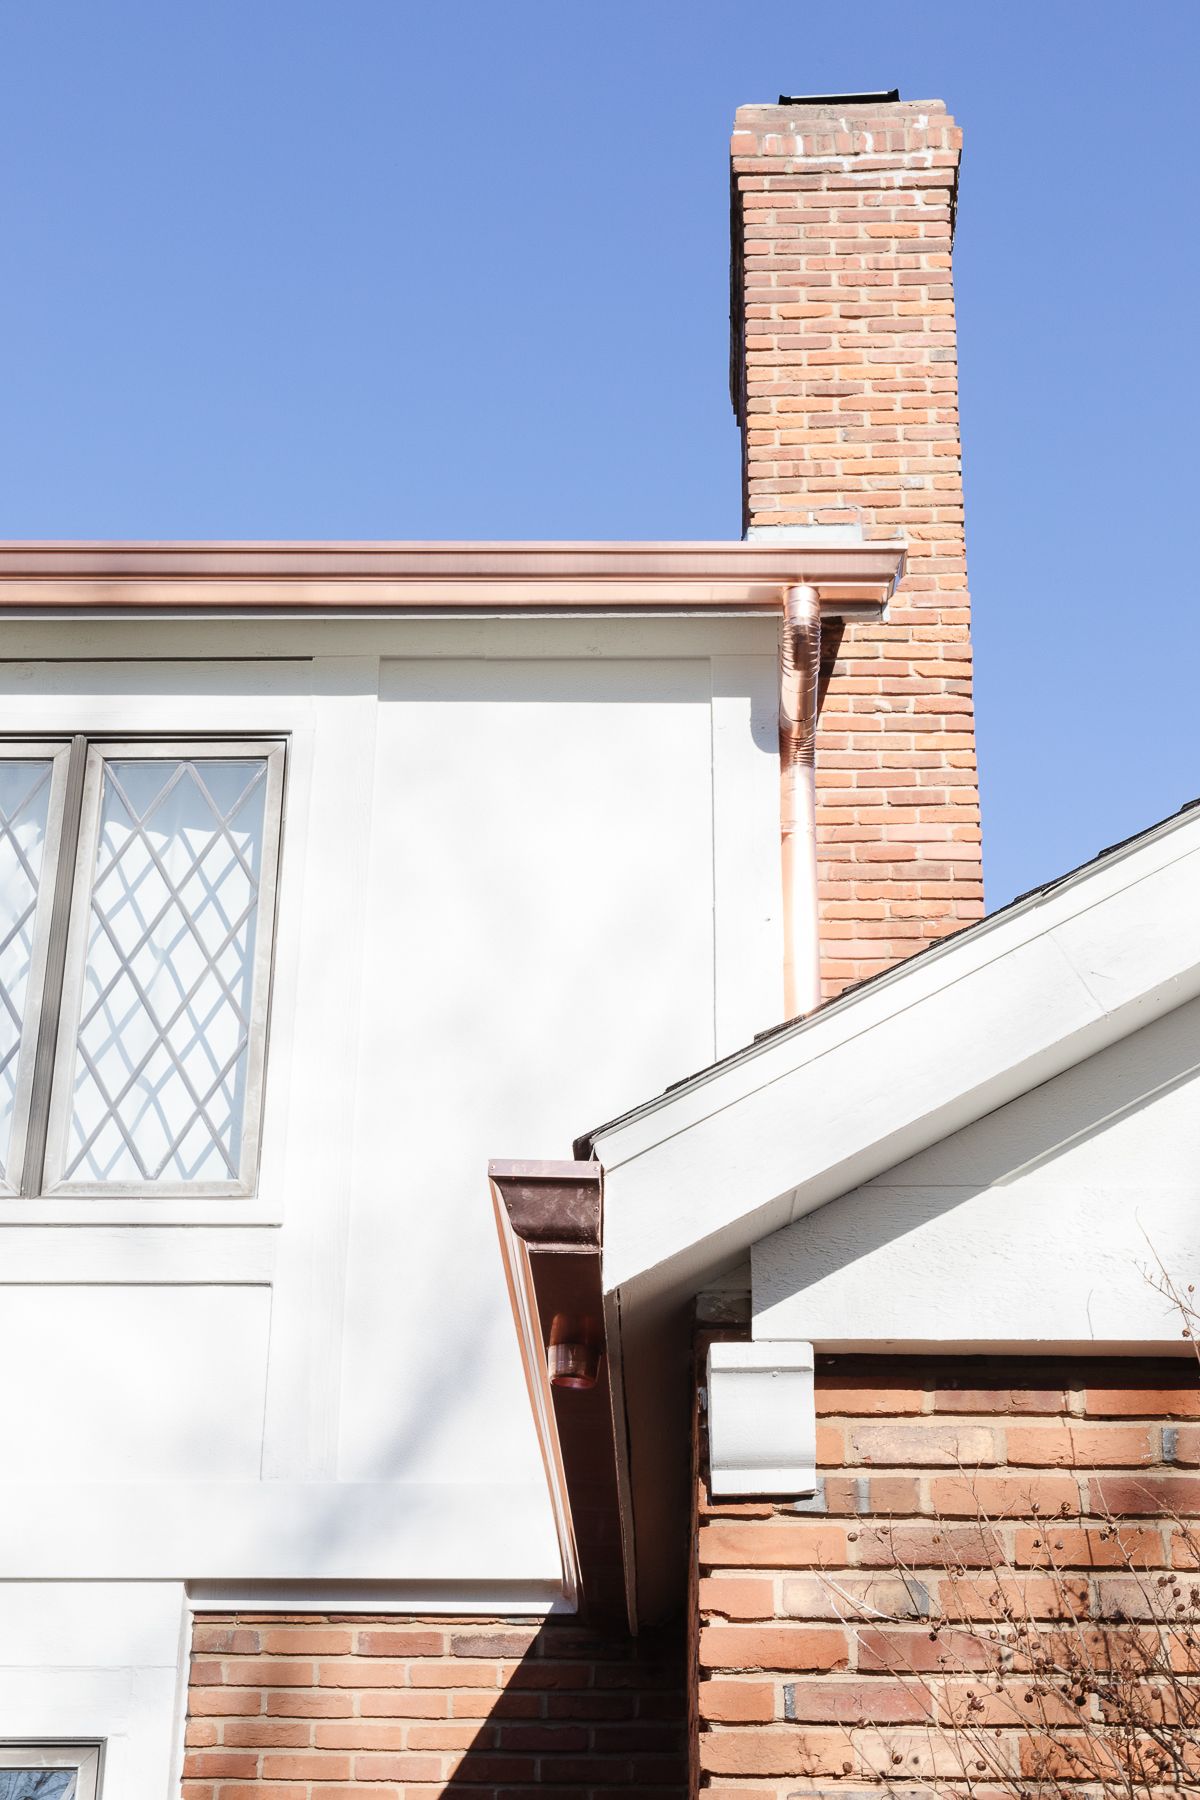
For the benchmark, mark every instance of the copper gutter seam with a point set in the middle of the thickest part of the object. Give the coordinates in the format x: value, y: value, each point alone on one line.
x: 799, y: 674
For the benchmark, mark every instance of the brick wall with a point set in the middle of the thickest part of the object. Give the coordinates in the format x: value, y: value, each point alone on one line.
x: 799, y: 1687
x: 329, y: 1707
x: 845, y: 376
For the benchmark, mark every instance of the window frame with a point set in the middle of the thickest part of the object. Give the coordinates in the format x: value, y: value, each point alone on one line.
x: 56, y: 751
x: 83, y: 1758
x: 53, y: 1009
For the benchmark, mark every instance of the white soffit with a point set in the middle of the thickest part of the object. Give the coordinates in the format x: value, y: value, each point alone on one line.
x: 692, y: 1180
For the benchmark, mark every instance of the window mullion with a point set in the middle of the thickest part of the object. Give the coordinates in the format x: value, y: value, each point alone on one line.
x: 56, y: 960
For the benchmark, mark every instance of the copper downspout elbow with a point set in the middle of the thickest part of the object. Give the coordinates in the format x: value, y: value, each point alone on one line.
x: 799, y: 672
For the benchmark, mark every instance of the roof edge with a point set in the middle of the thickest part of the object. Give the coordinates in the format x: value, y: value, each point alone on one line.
x: 45, y: 577
x: 584, y: 1146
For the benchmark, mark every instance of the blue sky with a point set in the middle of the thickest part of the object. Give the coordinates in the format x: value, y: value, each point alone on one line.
x: 384, y: 270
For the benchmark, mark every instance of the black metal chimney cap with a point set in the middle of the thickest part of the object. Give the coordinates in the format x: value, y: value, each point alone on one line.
x: 838, y: 99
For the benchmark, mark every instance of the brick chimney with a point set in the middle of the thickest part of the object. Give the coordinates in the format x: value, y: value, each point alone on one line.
x: 845, y: 384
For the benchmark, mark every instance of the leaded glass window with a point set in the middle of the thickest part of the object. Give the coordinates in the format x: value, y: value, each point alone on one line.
x: 135, y: 965
x: 31, y: 781
x: 49, y: 1771
x: 38, y: 1784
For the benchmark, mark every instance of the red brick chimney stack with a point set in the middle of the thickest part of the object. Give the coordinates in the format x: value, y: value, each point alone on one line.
x: 845, y: 383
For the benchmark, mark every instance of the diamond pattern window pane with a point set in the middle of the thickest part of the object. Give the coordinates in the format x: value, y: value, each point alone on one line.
x: 24, y: 811
x: 161, y: 1054
x: 36, y: 1784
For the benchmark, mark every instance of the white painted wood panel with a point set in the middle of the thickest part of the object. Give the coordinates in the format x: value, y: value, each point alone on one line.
x: 97, y: 1660
x: 503, y: 915
x: 129, y: 1382
x: 747, y: 924
x: 1037, y: 1225
x: 540, y: 948
x: 295, y: 1531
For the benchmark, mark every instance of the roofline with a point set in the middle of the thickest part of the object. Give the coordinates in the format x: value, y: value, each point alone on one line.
x: 275, y: 576
x: 730, y: 1157
x: 1022, y: 903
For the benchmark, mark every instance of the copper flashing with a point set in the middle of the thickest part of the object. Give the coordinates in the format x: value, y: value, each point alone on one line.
x: 548, y: 1215
x: 341, y: 578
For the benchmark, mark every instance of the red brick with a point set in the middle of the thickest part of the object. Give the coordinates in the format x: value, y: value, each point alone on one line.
x: 396, y: 1641
x: 929, y: 1443
x: 1074, y: 1445
x: 1007, y: 1400
x: 495, y: 1706
x: 220, y: 1702
x: 221, y: 1763
x: 1017, y: 1494
x: 772, y: 1647
x: 850, y: 372
x: 1150, y: 1493
x: 900, y: 1648
x: 737, y: 1599
x: 282, y: 1734
x: 296, y: 1766
x: 222, y: 1639
x: 305, y: 1640
x: 396, y: 1766
x: 361, y: 1734
x: 1067, y: 1545
x: 740, y: 1702
x: 296, y: 1703
x: 1133, y: 1402
x: 1186, y: 1446
x: 875, y: 1702
x: 782, y: 1544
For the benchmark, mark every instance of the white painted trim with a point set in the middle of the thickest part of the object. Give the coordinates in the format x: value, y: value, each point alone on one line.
x: 479, y: 1599
x: 747, y: 927
x: 762, y: 1423
x: 57, y: 754
x: 84, y: 1759
x: 697, y: 1177
x: 103, y: 1664
x: 276, y: 1531
x: 28, y: 644
x: 615, y: 1351
x: 166, y: 1255
x: 183, y: 1677
x: 325, y: 997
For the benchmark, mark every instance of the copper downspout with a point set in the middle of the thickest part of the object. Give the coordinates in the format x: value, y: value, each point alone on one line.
x: 799, y: 672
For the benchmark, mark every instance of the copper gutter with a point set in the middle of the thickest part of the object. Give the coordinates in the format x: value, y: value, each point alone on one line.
x: 548, y: 1215
x: 343, y: 578
x: 799, y: 673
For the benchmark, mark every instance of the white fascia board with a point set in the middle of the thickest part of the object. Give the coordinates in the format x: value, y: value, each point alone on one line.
x: 692, y: 1180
